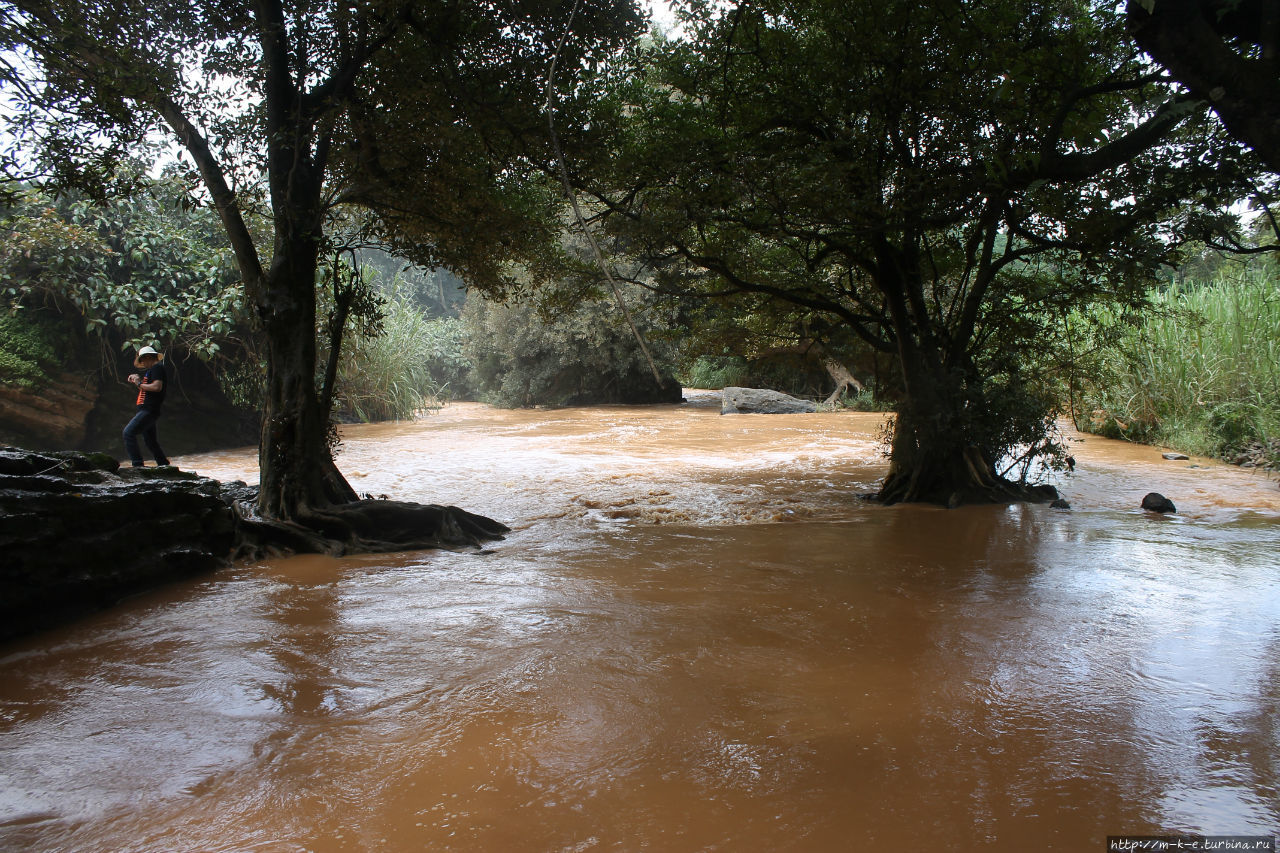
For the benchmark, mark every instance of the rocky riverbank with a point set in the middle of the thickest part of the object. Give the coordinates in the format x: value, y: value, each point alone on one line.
x: 1265, y: 456
x: 79, y: 533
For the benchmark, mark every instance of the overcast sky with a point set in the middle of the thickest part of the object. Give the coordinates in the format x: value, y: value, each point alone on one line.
x: 661, y: 12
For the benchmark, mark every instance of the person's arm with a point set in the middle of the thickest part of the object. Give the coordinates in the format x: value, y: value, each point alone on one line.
x: 152, y: 387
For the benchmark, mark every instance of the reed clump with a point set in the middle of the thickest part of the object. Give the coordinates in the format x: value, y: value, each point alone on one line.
x: 1200, y: 372
x: 407, y: 369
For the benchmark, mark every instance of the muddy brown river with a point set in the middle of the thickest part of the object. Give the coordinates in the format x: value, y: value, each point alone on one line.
x: 696, y: 638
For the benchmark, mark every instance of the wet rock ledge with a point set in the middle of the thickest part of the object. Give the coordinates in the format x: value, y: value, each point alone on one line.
x: 79, y: 533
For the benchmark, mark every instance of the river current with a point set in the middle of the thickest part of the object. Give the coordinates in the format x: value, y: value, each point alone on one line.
x: 696, y: 638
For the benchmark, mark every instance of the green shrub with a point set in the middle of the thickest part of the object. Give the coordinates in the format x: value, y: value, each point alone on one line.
x: 405, y: 369
x: 146, y: 269
x: 1233, y: 425
x: 717, y: 371
x: 865, y: 401
x: 32, y: 345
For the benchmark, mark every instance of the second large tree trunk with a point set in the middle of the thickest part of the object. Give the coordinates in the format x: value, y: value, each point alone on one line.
x: 935, y: 456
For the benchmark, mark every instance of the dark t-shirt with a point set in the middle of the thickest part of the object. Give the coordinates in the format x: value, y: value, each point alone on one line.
x: 153, y: 399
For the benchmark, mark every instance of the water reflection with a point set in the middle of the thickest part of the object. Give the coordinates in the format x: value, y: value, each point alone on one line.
x: 305, y: 641
x: 695, y: 639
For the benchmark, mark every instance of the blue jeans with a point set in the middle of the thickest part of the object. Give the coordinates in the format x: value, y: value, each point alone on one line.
x: 144, y: 423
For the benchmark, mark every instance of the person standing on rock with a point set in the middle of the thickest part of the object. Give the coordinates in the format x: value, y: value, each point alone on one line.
x: 150, y: 398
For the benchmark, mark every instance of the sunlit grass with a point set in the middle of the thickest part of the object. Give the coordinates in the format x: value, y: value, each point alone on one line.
x: 1202, y: 371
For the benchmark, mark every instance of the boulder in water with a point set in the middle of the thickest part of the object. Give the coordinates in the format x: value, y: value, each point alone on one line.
x: 1156, y: 502
x: 760, y: 401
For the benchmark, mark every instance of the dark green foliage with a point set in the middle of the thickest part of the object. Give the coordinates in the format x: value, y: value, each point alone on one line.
x: 1234, y: 425
x: 146, y: 270
x: 32, y: 345
x: 578, y: 355
x: 441, y: 348
x: 1224, y: 52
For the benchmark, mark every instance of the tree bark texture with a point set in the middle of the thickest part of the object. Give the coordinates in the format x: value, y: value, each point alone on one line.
x: 298, y: 474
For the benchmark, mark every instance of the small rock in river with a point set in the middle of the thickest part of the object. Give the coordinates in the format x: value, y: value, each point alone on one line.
x: 1156, y: 502
x: 1175, y: 457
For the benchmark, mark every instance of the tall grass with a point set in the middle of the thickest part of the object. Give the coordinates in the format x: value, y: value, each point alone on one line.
x: 709, y: 371
x: 1201, y: 372
x: 404, y: 371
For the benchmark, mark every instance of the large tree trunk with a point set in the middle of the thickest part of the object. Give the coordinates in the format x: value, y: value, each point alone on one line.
x: 929, y: 460
x: 928, y: 465
x: 304, y: 505
x: 296, y: 465
x: 932, y: 458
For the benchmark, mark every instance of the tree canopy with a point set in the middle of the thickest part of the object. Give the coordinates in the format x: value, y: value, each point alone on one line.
x: 144, y: 270
x: 425, y: 115
x: 943, y: 178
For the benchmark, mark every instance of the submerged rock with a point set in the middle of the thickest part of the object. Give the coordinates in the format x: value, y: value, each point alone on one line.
x: 760, y: 401
x: 1156, y: 502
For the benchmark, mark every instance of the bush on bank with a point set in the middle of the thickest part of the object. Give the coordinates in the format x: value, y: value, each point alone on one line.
x: 33, y: 345
x: 412, y: 365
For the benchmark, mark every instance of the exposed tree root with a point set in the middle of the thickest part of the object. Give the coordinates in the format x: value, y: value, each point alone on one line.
x: 967, y: 480
x: 362, y: 527
x: 844, y: 381
x: 1001, y: 492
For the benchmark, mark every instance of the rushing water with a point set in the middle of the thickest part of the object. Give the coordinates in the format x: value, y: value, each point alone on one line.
x: 695, y: 638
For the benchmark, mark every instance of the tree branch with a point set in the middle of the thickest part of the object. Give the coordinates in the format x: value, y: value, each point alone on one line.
x: 1082, y: 166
